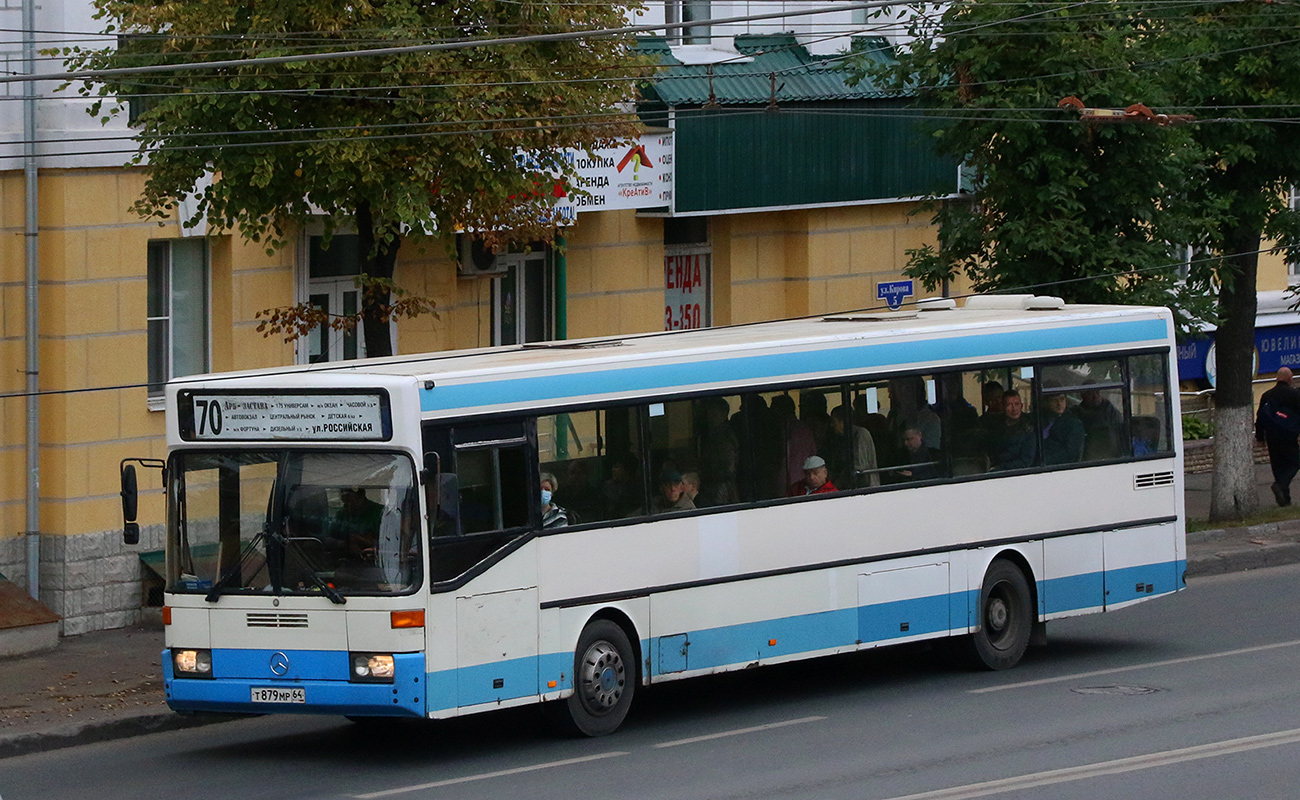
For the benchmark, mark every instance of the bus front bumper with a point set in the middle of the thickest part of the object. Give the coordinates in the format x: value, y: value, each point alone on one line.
x: 319, y: 687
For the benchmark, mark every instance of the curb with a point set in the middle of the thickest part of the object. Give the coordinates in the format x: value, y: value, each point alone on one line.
x: 75, y: 734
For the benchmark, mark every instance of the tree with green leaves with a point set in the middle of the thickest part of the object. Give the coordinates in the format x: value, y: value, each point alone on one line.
x: 1083, y: 211
x: 409, y: 141
x: 1098, y: 212
x: 1238, y: 65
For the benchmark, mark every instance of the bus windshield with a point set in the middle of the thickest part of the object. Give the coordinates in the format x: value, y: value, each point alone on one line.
x: 293, y: 522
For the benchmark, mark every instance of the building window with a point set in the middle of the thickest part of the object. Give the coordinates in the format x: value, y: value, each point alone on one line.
x: 688, y: 280
x: 689, y: 11
x: 523, y: 307
x: 332, y: 287
x: 177, y: 310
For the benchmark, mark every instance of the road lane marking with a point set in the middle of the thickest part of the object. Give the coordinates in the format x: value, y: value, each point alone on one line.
x: 1170, y: 662
x: 738, y: 732
x: 486, y: 775
x: 1116, y: 767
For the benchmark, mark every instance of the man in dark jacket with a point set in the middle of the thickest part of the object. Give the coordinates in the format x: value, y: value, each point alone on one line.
x: 1277, y: 425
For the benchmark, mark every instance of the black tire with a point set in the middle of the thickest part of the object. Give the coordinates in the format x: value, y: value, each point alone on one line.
x: 604, y: 680
x: 1006, y: 618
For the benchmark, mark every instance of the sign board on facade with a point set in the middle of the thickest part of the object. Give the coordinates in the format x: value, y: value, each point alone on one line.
x: 216, y: 416
x: 633, y: 174
x: 894, y: 292
x: 686, y: 290
x: 1275, y: 347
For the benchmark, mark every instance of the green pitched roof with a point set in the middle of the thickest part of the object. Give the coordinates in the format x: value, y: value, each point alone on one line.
x: 799, y: 75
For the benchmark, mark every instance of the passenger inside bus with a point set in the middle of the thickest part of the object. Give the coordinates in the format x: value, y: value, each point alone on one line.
x: 1102, y: 422
x: 691, y: 487
x: 1012, y: 445
x: 798, y: 441
x: 553, y: 516
x: 671, y: 495
x: 1062, y: 431
x: 622, y: 490
x: 816, y: 478
x: 719, y: 455
x: 921, y: 462
x: 863, y: 469
x: 908, y: 409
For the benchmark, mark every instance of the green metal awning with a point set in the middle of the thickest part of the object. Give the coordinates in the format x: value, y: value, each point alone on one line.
x: 769, y: 61
x: 778, y: 127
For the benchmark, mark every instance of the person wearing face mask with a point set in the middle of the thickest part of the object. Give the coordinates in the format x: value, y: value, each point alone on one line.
x: 552, y: 515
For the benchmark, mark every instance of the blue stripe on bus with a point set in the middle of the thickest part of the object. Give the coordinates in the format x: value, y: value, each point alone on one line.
x: 777, y: 365
x: 1133, y: 583
x: 880, y: 623
x: 1072, y: 592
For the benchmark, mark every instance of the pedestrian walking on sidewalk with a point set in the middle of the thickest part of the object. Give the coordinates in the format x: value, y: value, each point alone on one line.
x: 1278, y: 425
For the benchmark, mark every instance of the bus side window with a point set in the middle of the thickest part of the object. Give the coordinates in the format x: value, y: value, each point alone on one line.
x: 961, y: 399
x: 493, y: 488
x: 1095, y: 396
x: 594, y: 458
x: 1148, y: 396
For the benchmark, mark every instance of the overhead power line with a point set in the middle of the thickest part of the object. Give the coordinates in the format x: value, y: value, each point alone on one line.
x: 463, y: 44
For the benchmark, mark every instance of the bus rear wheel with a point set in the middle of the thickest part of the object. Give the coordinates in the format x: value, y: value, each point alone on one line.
x: 1006, y: 618
x: 604, y: 680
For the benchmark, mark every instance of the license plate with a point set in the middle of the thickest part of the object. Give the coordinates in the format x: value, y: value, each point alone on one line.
x: 267, y: 694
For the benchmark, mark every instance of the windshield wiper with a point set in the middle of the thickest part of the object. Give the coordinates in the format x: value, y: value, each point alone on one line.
x: 316, y: 579
x: 219, y: 587
x: 224, y: 581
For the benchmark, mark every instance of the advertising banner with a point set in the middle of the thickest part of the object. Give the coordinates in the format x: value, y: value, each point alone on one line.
x: 634, y: 174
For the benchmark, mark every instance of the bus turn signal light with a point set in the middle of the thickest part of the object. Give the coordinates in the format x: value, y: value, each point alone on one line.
x: 407, y: 619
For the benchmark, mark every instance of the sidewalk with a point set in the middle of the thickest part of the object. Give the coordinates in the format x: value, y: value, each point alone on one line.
x: 108, y: 685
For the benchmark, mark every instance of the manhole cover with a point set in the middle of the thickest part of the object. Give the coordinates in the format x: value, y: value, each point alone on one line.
x: 1126, y: 691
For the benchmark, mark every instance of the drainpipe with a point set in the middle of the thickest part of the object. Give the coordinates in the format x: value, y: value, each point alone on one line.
x: 561, y: 289
x: 30, y: 229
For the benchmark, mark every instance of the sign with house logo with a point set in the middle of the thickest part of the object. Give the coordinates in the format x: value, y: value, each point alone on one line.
x: 630, y: 175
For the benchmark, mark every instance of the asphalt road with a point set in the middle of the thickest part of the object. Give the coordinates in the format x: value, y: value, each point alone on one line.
x: 1195, y: 696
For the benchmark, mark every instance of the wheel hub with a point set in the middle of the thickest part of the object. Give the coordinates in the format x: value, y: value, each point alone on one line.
x: 603, y: 676
x: 997, y: 614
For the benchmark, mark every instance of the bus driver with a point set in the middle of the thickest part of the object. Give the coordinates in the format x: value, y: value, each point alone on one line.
x: 354, y: 530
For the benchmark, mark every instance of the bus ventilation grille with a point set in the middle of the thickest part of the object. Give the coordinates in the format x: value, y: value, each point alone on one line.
x: 272, y: 619
x: 1153, y: 479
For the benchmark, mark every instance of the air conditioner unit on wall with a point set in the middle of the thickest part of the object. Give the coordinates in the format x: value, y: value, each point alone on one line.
x: 476, y: 260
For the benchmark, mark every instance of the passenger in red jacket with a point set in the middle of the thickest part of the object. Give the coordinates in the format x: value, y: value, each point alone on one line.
x: 816, y: 480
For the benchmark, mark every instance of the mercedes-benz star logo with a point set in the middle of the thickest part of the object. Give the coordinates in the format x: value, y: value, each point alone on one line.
x: 279, y: 663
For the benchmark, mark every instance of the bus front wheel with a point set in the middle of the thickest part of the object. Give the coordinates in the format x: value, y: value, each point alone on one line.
x: 604, y: 679
x: 1006, y: 618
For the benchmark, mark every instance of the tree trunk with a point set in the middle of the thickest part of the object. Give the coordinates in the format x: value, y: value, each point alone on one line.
x: 379, y: 262
x: 1233, y: 493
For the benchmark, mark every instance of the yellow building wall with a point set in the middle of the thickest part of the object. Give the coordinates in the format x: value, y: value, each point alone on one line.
x: 1272, y: 275
x: 816, y: 261
x: 92, y: 336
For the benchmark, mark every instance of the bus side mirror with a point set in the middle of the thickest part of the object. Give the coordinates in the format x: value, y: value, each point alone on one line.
x: 131, y: 495
x: 130, y: 505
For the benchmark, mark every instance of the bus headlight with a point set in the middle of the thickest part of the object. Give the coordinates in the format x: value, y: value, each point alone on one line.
x: 192, y: 663
x: 373, y: 667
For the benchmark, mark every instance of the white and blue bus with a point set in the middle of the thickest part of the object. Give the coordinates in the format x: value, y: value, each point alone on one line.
x: 566, y: 522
